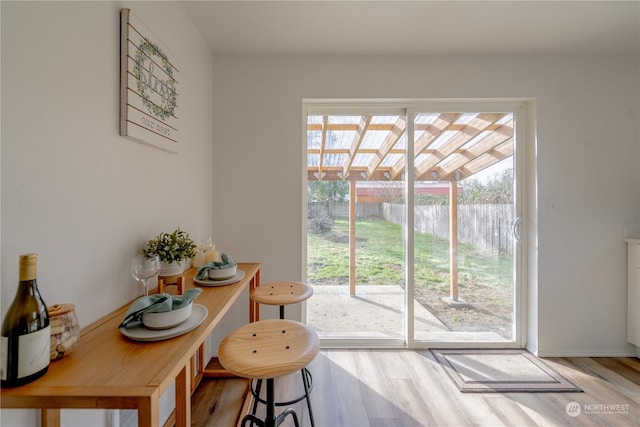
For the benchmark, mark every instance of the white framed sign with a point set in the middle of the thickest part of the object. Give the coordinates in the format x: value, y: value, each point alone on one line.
x: 148, y: 87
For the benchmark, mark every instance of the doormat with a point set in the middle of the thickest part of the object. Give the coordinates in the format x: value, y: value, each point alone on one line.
x: 504, y: 370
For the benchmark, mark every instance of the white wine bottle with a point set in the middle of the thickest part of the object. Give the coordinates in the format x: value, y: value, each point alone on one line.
x: 25, y: 340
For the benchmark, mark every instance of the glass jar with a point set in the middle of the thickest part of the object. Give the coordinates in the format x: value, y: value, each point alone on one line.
x: 65, y: 329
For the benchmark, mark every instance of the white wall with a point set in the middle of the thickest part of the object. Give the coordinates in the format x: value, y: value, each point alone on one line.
x: 587, y: 158
x: 70, y: 184
x: 73, y: 190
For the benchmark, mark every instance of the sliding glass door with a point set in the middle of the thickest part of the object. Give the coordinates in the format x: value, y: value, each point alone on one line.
x: 413, y: 216
x: 465, y: 214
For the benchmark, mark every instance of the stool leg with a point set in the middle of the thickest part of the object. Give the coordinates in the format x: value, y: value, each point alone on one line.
x: 270, y: 419
x: 256, y: 395
x: 253, y: 419
x: 284, y: 414
x: 306, y: 382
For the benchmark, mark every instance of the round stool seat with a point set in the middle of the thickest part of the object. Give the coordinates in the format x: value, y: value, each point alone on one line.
x: 281, y: 293
x: 268, y: 349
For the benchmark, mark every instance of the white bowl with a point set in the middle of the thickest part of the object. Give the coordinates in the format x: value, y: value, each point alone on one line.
x: 223, y: 273
x: 167, y: 319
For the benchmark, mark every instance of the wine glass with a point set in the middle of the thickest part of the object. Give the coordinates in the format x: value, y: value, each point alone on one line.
x: 143, y: 268
x: 204, y: 244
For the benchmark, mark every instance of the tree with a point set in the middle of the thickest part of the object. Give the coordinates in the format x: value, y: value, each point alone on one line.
x: 327, y: 191
x: 496, y: 190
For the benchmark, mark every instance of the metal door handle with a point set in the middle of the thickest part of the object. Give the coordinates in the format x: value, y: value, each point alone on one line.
x: 516, y: 229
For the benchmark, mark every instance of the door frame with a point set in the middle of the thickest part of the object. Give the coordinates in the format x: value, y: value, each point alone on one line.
x: 524, y: 177
x: 523, y: 143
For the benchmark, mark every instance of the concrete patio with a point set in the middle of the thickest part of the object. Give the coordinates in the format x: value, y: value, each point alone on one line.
x: 377, y: 311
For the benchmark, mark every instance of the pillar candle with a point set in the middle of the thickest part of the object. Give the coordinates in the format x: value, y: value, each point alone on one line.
x: 198, y: 260
x: 212, y: 256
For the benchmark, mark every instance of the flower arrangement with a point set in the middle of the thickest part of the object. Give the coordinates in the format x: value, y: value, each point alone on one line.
x: 170, y: 247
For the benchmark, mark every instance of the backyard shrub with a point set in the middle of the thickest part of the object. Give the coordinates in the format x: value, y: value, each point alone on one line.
x: 320, y: 224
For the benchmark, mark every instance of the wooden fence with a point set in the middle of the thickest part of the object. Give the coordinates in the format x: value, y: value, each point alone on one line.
x: 341, y: 210
x: 485, y: 227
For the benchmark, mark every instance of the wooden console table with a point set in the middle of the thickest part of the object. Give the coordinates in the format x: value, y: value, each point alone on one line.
x: 107, y: 370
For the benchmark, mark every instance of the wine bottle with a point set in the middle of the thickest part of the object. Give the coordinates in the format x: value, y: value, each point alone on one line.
x: 25, y: 339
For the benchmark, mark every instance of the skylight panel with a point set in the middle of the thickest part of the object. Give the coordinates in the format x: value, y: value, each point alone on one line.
x: 335, y: 137
x: 313, y: 159
x: 384, y: 119
x: 426, y: 118
x: 314, y: 139
x: 344, y: 120
x: 334, y: 159
x: 466, y: 118
x: 362, y: 159
x: 402, y: 143
x: 442, y: 139
x: 420, y: 158
x: 448, y: 159
x: 339, y: 139
x: 473, y: 141
x: 391, y: 160
x: 506, y: 119
x: 373, y: 139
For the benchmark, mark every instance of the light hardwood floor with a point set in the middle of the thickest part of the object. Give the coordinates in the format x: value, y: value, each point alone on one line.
x: 404, y: 388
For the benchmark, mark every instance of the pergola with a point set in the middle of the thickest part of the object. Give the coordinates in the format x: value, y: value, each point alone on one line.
x: 448, y: 146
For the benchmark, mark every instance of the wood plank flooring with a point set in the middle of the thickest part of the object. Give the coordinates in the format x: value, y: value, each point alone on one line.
x: 404, y: 388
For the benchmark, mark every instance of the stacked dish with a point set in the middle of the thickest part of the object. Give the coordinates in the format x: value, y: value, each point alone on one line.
x: 162, y: 316
x: 216, y: 273
x: 167, y: 319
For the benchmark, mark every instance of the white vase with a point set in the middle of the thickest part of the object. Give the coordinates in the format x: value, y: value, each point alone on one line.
x: 173, y: 268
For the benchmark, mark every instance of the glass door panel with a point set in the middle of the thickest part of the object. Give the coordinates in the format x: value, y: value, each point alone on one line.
x: 355, y: 225
x: 464, y: 212
x: 418, y: 258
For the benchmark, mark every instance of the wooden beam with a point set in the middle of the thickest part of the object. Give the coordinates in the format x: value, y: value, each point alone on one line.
x: 355, y: 174
x: 387, y: 145
x: 489, y: 158
x: 431, y: 132
x: 486, y: 144
x: 348, y: 126
x: 323, y: 144
x: 355, y: 145
x: 470, y: 130
x: 463, y: 151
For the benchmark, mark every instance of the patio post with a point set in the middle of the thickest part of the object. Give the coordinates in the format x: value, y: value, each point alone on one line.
x: 352, y: 238
x: 453, y: 299
x: 453, y: 239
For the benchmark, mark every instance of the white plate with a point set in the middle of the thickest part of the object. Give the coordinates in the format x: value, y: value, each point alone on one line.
x: 140, y: 333
x: 209, y: 282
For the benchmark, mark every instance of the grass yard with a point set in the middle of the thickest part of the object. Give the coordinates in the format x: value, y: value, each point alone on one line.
x: 485, y: 280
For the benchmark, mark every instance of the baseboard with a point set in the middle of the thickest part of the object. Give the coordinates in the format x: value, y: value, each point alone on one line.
x: 586, y: 354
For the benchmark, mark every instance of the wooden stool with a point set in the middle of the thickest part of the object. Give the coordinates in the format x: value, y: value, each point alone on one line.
x: 281, y: 293
x: 267, y: 349
x: 284, y: 293
x: 164, y: 281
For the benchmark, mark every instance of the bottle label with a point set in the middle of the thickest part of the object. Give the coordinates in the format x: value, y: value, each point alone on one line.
x: 34, y: 352
x: 4, y: 346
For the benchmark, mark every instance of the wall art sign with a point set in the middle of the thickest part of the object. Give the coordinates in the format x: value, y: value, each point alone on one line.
x: 148, y: 86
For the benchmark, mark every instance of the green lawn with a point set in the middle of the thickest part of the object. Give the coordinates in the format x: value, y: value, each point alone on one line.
x: 380, y: 257
x: 484, y: 280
